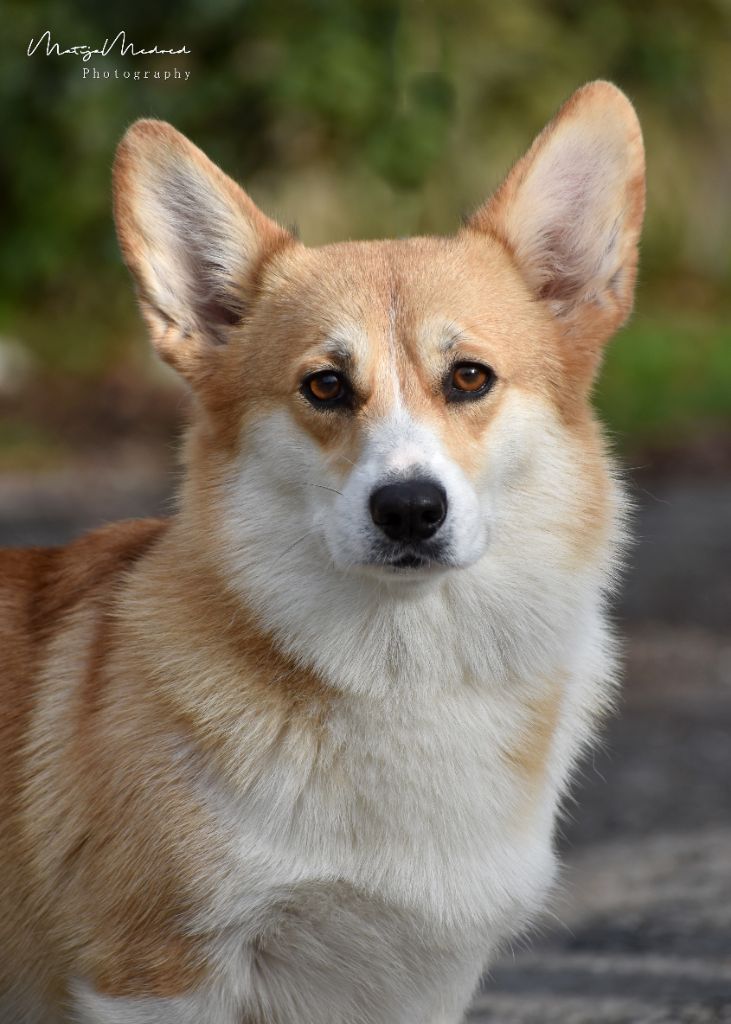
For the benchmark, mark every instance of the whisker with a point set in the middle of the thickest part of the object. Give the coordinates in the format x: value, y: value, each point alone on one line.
x: 291, y: 546
x: 345, y: 459
x: 325, y: 488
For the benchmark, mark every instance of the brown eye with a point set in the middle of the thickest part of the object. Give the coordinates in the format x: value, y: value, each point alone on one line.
x: 469, y: 380
x: 326, y: 389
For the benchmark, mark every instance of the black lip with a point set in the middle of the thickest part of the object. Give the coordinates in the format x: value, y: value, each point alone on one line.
x: 410, y: 557
x: 410, y: 561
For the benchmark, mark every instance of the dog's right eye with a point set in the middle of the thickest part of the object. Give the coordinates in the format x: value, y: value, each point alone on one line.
x: 326, y: 389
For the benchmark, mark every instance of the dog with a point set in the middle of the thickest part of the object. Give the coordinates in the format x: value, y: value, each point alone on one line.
x: 295, y: 755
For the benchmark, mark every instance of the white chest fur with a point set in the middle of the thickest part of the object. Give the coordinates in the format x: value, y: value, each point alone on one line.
x: 392, y: 854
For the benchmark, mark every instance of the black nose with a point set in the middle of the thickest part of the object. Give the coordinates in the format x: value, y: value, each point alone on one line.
x: 409, y: 511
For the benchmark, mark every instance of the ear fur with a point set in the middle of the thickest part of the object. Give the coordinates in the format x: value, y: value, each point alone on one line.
x: 570, y: 212
x: 192, y: 239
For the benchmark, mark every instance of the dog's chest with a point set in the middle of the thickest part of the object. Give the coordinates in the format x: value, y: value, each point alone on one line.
x: 399, y: 833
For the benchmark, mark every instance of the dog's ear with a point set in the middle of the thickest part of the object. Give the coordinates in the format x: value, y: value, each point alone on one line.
x: 570, y: 214
x: 193, y: 240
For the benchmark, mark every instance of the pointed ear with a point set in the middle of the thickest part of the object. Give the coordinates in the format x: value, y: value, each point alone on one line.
x: 570, y: 212
x: 192, y: 239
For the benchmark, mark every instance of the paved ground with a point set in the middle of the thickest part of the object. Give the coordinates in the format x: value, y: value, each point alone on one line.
x: 641, y: 932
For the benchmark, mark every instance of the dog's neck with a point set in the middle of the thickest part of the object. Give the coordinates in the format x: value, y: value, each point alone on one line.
x: 494, y: 622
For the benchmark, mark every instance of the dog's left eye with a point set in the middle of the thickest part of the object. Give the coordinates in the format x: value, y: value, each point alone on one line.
x: 326, y: 389
x: 468, y: 380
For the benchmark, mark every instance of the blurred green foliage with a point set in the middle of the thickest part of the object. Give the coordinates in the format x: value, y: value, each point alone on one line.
x: 665, y: 380
x: 368, y: 118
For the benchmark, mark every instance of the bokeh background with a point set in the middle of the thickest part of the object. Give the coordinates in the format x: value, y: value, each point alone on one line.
x: 360, y: 118
x: 365, y: 118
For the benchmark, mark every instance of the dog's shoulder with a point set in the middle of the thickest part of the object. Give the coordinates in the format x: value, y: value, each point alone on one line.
x: 39, y: 586
x: 43, y: 582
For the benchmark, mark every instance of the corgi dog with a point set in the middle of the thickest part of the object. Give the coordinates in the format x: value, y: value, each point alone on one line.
x: 294, y: 755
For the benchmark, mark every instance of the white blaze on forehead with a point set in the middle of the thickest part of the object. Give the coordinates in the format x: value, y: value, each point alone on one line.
x: 393, y: 377
x: 404, y: 457
x: 399, y: 442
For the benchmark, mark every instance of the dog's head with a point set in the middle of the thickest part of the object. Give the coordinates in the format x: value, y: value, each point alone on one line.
x: 399, y: 408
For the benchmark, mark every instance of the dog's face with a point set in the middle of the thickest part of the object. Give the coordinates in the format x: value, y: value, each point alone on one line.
x: 391, y: 401
x: 380, y: 380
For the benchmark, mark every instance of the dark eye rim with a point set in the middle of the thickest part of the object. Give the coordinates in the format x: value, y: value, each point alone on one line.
x: 344, y: 399
x: 455, y: 394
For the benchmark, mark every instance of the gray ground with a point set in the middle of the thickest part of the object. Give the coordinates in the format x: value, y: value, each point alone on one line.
x: 642, y: 928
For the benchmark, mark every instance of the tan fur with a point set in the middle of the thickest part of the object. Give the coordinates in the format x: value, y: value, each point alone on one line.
x: 531, y: 756
x: 86, y: 617
x: 133, y: 671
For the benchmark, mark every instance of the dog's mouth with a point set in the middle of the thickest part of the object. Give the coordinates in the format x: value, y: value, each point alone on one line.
x: 410, y: 561
x: 415, y: 558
